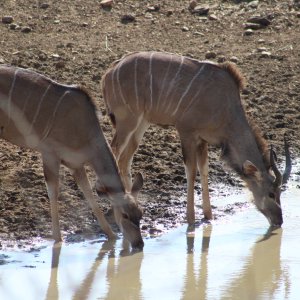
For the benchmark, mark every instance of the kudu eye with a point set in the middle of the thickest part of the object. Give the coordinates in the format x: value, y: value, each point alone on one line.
x: 272, y: 195
x: 125, y: 216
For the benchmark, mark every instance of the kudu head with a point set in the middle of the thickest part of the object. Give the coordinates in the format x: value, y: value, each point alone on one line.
x: 266, y: 186
x: 128, y: 214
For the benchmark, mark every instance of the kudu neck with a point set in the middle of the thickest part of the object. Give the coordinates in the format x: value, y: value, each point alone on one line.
x: 106, y: 169
x: 241, y: 149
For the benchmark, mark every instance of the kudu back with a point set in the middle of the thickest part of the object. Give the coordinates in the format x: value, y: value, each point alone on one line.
x: 202, y: 100
x: 60, y: 122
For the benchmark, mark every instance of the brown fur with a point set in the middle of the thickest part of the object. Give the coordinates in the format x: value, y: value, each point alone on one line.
x: 235, y: 74
x: 261, y: 143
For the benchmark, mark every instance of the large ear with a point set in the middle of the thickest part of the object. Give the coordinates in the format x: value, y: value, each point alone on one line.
x: 251, y: 170
x: 137, y: 184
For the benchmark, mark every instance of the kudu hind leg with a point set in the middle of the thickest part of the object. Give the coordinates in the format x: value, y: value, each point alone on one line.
x: 84, y: 184
x: 190, y: 163
x: 51, y: 172
x: 202, y: 160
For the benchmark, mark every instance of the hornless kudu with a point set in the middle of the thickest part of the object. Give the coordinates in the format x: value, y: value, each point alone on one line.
x: 202, y: 100
x: 60, y: 122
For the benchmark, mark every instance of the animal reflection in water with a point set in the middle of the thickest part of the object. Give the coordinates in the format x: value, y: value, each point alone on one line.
x: 131, y: 283
x: 259, y: 274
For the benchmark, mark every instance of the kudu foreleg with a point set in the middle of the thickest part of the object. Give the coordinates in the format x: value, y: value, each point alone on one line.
x: 84, y: 184
x: 51, y: 172
x: 190, y: 163
x: 202, y: 160
x: 124, y: 145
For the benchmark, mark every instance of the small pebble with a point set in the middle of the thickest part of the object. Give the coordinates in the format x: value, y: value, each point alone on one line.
x: 7, y: 19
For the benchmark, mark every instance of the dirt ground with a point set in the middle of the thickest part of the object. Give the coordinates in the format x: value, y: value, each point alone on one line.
x: 74, y: 42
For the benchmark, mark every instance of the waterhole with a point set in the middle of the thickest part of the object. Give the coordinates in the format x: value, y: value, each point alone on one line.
x: 236, y: 257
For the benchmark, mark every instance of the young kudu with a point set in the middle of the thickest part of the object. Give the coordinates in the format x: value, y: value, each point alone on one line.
x: 61, y: 123
x: 202, y: 100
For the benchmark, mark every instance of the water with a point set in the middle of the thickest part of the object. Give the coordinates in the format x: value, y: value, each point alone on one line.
x: 233, y: 258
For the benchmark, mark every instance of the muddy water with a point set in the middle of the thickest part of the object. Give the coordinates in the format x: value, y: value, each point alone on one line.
x: 232, y: 258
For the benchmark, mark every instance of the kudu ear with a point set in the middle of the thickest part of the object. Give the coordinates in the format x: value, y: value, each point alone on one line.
x: 137, y: 184
x: 251, y: 170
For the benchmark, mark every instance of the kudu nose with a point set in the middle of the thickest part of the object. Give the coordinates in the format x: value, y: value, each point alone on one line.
x: 137, y: 245
x: 276, y: 220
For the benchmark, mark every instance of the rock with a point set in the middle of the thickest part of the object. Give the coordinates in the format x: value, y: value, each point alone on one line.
x: 234, y: 59
x: 148, y: 15
x: 13, y: 26
x: 199, y: 33
x: 7, y: 19
x: 221, y: 59
x: 192, y: 4
x: 265, y: 54
x: 248, y: 32
x: 129, y: 18
x: 200, y: 10
x: 261, y: 49
x: 185, y: 28
x: 44, y: 5
x: 153, y: 8
x: 26, y: 29
x: 210, y: 55
x: 55, y: 56
x: 96, y: 77
x: 106, y: 3
x: 60, y: 64
x: 259, y: 20
x: 253, y: 26
x: 253, y: 4
x: 212, y: 17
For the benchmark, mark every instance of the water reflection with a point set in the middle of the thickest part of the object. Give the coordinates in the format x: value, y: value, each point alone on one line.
x: 52, y: 292
x: 123, y: 277
x: 263, y: 274
x: 117, y: 266
x: 196, y: 278
x: 231, y: 259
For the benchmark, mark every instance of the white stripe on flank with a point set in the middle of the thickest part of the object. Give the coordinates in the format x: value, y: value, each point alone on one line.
x: 113, y: 82
x: 173, y: 82
x: 118, y: 79
x: 21, y: 123
x: 187, y: 89
x: 135, y: 83
x: 163, y: 83
x: 51, y: 120
x: 10, y: 94
x: 39, y: 107
x: 151, y: 81
x: 191, y: 102
x: 33, y: 83
x: 129, y: 135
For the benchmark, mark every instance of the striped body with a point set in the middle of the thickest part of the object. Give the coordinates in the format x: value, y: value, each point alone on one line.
x: 202, y: 100
x: 38, y: 113
x: 60, y: 122
x: 168, y: 89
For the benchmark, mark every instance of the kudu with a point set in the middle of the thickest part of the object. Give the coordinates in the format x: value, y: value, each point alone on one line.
x: 61, y: 123
x: 202, y: 100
